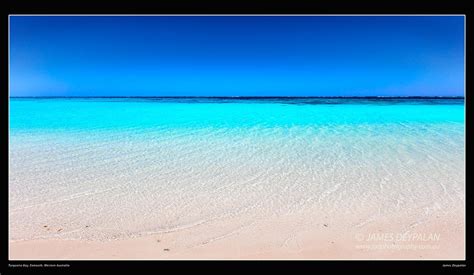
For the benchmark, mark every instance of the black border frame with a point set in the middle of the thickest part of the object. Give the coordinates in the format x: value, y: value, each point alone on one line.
x: 224, y: 7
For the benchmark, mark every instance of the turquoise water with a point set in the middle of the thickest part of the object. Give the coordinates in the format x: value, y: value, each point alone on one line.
x: 127, y: 166
x: 146, y: 114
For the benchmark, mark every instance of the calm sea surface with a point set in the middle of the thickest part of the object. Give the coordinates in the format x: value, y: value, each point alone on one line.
x: 105, y: 168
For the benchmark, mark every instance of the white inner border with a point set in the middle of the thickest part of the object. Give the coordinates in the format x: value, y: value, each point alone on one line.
x: 245, y: 15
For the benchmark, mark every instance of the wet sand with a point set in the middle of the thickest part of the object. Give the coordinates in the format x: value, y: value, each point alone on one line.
x: 439, y: 237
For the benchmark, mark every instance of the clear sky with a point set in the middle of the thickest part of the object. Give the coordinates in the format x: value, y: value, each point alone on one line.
x: 237, y: 56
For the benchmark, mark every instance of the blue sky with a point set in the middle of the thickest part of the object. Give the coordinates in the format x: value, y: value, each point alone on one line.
x: 237, y: 56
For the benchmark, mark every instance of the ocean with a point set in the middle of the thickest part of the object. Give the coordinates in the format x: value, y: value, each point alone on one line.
x: 114, y: 168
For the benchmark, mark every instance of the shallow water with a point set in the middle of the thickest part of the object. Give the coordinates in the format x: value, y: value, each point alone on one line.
x: 106, y: 168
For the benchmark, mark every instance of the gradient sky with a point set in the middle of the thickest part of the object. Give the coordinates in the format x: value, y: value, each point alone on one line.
x: 237, y: 56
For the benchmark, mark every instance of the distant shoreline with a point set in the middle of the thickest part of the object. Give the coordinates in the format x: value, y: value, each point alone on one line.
x: 255, y: 97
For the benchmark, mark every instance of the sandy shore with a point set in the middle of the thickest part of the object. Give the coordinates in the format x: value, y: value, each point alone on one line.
x: 291, y: 237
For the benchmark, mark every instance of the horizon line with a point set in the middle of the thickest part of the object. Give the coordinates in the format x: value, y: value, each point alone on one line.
x: 244, y: 97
